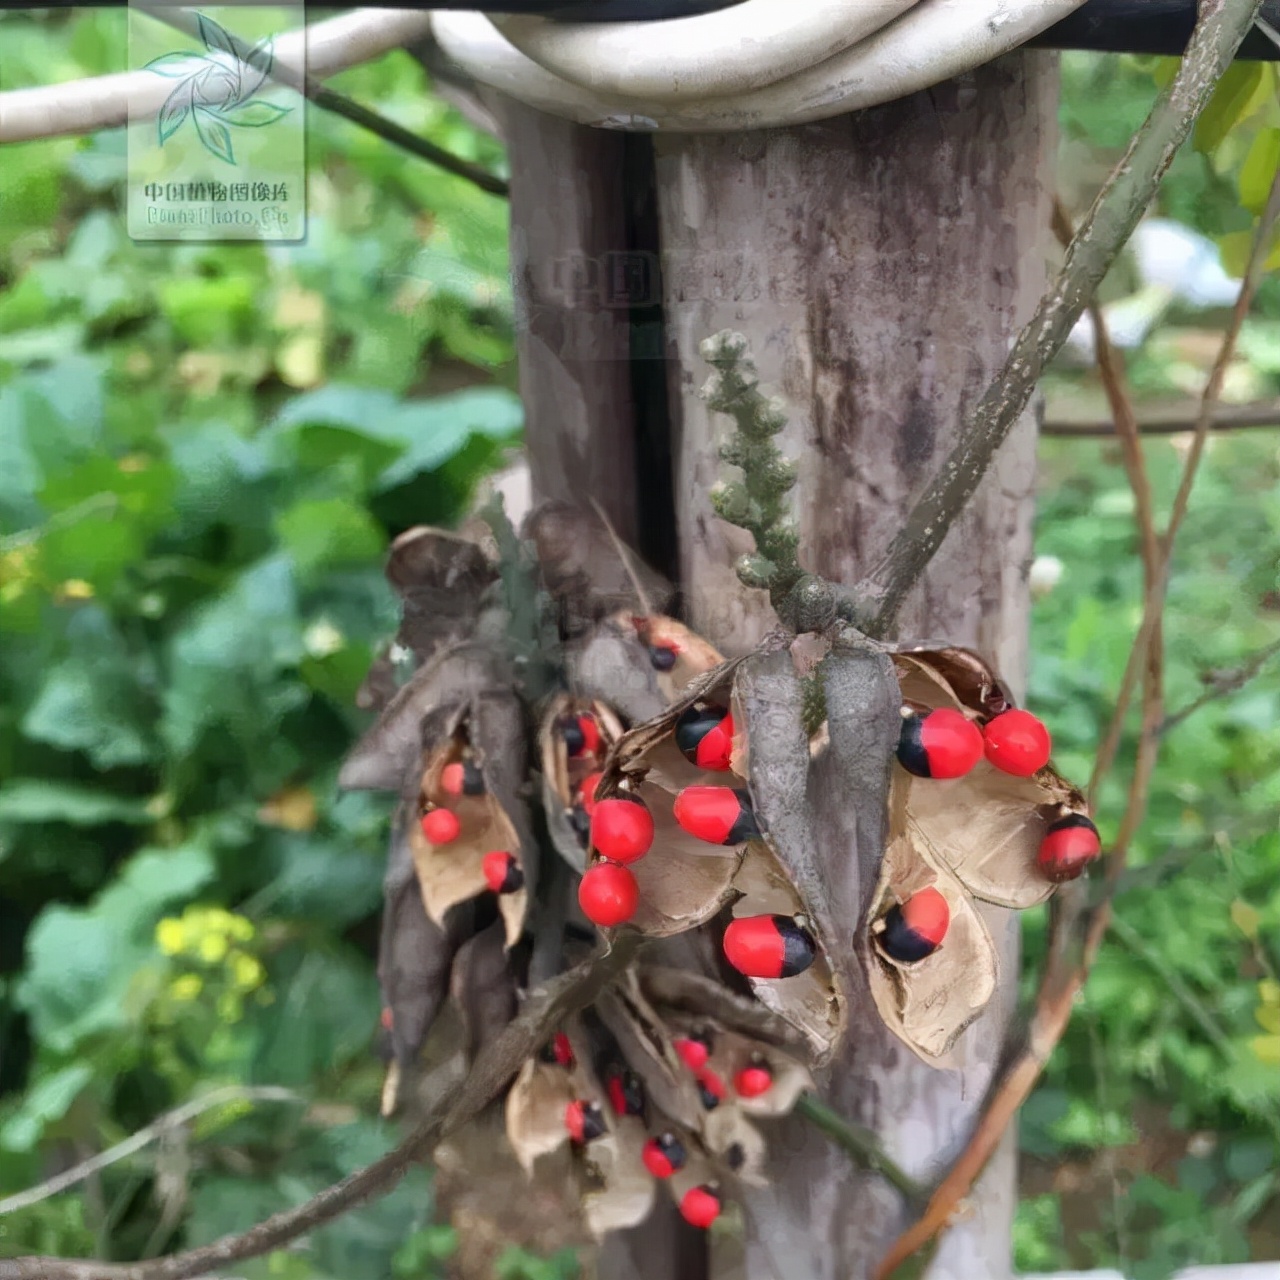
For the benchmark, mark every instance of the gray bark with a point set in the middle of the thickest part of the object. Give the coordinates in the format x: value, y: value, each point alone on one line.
x: 568, y: 229
x: 879, y: 264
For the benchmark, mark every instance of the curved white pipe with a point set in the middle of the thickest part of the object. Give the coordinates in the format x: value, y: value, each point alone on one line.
x: 102, y: 102
x: 731, y: 51
x: 929, y: 43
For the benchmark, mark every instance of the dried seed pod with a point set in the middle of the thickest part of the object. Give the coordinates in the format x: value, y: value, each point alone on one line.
x: 677, y: 655
x: 415, y: 958
x: 987, y: 828
x: 564, y: 772
x: 455, y: 871
x: 928, y: 1001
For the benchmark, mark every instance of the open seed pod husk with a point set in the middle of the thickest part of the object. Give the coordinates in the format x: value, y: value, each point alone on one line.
x: 535, y: 1108
x: 927, y: 1003
x: 987, y: 826
x: 563, y: 774
x: 677, y: 655
x: 488, y: 730
x: 618, y: 1190
x: 969, y: 679
x: 415, y: 959
x: 645, y: 1042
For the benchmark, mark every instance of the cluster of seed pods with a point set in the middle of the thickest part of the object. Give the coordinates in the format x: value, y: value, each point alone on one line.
x: 606, y: 1103
x: 946, y: 744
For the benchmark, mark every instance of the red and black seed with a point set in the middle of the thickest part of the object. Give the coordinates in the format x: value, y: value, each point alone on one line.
x: 664, y: 1155
x: 584, y: 1121
x: 704, y: 736
x: 557, y: 1050
x: 626, y: 1093
x: 662, y: 656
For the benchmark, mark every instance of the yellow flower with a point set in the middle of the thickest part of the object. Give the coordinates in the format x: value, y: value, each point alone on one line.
x: 171, y: 937
x: 246, y: 972
x: 187, y: 987
x: 214, y: 948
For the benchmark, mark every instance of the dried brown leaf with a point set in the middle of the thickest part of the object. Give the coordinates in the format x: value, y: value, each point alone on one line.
x: 442, y: 579
x: 584, y: 569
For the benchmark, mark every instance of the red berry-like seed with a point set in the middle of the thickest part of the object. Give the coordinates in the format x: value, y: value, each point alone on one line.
x: 558, y: 1050
x: 692, y: 1052
x: 626, y: 1095
x: 942, y: 744
x: 622, y: 828
x: 501, y: 872
x: 587, y: 792
x: 440, y: 826
x: 704, y: 736
x: 608, y: 895
x: 753, y: 1081
x: 664, y: 1155
x: 711, y: 1089
x: 452, y: 777
x: 768, y: 947
x: 700, y: 1206
x: 718, y: 815
x: 916, y: 928
x: 583, y: 1121
x: 1068, y: 848
x: 1017, y: 742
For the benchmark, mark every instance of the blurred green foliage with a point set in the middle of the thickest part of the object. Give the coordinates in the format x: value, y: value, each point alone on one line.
x: 203, y: 451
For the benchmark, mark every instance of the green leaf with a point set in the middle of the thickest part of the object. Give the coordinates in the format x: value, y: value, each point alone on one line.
x: 1258, y: 172
x: 254, y: 114
x: 82, y: 961
x: 1228, y: 106
x: 327, y: 534
x: 215, y: 135
x: 48, y: 1101
x: 28, y: 800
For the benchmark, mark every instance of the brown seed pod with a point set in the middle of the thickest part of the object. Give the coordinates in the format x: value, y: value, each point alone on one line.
x: 928, y: 1002
x: 987, y: 826
x: 563, y: 773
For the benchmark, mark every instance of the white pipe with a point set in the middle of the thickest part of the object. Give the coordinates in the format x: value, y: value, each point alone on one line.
x: 930, y: 42
x: 731, y: 51
x: 102, y: 102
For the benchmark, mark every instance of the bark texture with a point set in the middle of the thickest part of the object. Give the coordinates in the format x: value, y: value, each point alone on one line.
x: 879, y: 264
x: 568, y: 267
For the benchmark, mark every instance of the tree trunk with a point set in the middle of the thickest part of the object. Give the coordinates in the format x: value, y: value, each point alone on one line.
x: 879, y: 264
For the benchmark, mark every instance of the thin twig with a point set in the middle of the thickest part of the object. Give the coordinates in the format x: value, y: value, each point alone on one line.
x: 186, y: 21
x: 499, y: 1061
x: 1221, y: 26
x: 1264, y: 416
x: 1222, y: 684
x: 1077, y: 929
x: 862, y: 1146
x: 144, y: 1137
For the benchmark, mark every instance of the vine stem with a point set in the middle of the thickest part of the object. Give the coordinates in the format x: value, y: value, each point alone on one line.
x: 1077, y: 928
x: 862, y: 1146
x: 499, y: 1061
x: 1121, y: 202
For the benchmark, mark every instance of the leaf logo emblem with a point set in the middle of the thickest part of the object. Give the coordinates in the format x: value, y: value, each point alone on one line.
x: 216, y: 89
